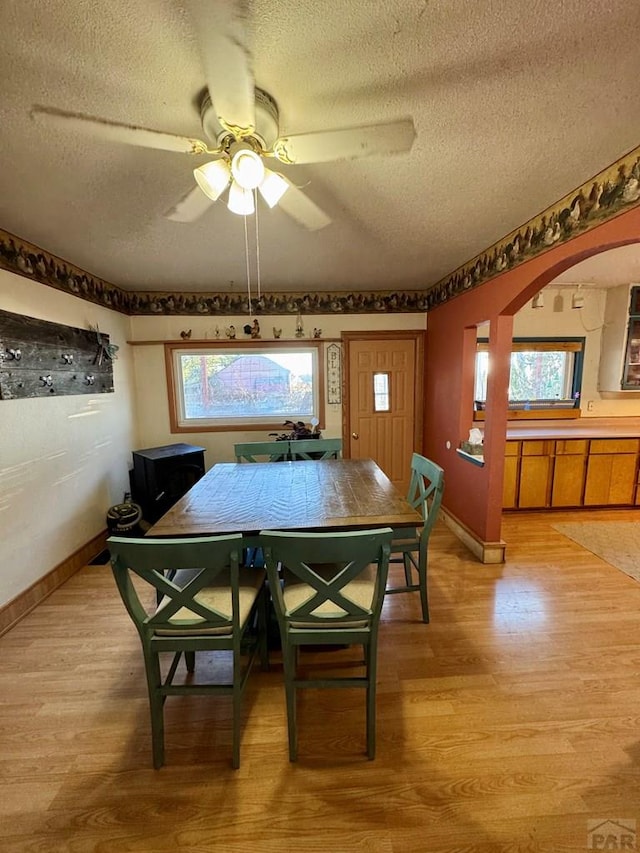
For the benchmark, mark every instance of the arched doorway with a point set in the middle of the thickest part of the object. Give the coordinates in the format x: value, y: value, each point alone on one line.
x: 474, y: 494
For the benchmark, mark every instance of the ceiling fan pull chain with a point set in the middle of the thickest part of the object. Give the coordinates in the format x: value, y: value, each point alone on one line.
x: 246, y: 254
x: 255, y: 199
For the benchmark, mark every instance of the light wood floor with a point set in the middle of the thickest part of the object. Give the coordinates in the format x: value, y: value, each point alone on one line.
x: 510, y: 723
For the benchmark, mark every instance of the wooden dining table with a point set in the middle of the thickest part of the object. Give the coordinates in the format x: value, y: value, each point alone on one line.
x: 332, y: 494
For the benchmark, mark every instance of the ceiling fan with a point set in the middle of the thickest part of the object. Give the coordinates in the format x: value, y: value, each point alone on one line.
x: 241, y: 123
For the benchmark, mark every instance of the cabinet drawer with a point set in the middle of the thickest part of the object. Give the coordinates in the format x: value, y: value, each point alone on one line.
x: 614, y: 445
x: 537, y: 448
x: 573, y: 445
x: 512, y: 448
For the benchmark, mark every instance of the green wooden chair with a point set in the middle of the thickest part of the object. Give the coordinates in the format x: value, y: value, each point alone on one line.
x: 262, y: 451
x: 410, y: 547
x: 316, y: 448
x: 328, y: 589
x: 207, y: 603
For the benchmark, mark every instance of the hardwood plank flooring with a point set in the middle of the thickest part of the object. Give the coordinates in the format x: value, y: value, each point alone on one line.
x: 510, y: 723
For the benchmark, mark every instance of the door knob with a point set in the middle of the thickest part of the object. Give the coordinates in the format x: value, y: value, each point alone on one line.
x: 355, y: 435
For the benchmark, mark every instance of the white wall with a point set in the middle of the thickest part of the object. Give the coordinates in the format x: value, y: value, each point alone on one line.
x: 557, y: 319
x: 63, y: 460
x: 152, y: 408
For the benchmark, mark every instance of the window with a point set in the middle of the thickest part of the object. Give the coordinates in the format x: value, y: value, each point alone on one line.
x: 546, y: 373
x: 229, y: 385
x: 381, y: 397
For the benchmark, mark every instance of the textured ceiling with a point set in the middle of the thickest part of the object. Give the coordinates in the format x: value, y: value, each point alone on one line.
x: 514, y: 104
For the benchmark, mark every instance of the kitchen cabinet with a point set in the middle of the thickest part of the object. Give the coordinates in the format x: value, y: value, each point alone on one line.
x: 620, y: 356
x: 631, y: 367
x: 511, y: 475
x: 535, y: 474
x: 571, y: 473
x: 611, y: 472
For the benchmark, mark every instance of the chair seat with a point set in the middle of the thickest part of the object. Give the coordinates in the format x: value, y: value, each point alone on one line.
x: 360, y: 592
x: 408, y: 540
x: 216, y: 597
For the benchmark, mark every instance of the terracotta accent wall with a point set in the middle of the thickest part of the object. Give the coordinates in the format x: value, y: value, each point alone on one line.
x: 474, y: 494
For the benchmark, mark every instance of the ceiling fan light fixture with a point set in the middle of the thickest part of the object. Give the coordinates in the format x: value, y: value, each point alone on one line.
x: 240, y: 200
x: 247, y: 168
x: 273, y: 187
x: 213, y: 178
x: 538, y: 300
x: 577, y: 300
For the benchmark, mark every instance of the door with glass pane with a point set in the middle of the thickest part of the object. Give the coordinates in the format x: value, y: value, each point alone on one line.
x: 384, y: 373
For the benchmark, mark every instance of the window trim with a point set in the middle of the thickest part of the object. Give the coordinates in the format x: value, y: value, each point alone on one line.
x: 268, y: 425
x: 545, y: 344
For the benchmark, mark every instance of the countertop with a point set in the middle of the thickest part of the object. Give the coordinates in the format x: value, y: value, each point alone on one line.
x: 579, y: 428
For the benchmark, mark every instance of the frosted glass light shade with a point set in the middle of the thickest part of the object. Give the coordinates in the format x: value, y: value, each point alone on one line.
x: 213, y: 177
x: 240, y: 200
x: 247, y: 169
x: 273, y: 188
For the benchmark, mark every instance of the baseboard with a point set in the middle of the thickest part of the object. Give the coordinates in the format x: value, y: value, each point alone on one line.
x: 24, y: 603
x: 486, y: 552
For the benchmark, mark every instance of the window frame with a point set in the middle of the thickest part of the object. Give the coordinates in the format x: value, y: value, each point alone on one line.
x: 173, y: 349
x: 543, y: 344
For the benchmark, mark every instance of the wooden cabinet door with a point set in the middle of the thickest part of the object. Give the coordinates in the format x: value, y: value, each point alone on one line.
x: 611, y: 479
x: 511, y: 473
x: 535, y: 479
x: 569, y: 472
x: 536, y: 466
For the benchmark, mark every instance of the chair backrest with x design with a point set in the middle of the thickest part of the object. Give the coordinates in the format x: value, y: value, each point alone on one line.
x: 261, y: 451
x: 316, y: 448
x: 213, y: 561
x: 331, y: 581
x: 426, y: 488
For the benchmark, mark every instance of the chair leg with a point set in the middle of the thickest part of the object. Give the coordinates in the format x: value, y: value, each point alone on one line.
x: 422, y: 580
x: 156, y: 702
x: 289, y: 657
x: 406, y: 559
x: 237, y: 710
x: 190, y: 661
x: 371, y: 659
x: 263, y: 626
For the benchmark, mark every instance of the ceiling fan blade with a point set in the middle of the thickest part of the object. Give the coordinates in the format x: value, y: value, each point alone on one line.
x: 300, y: 207
x: 190, y: 207
x: 116, y: 132
x: 222, y: 32
x: 347, y: 144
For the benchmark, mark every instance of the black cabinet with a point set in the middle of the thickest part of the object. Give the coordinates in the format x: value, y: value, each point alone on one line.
x: 162, y: 475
